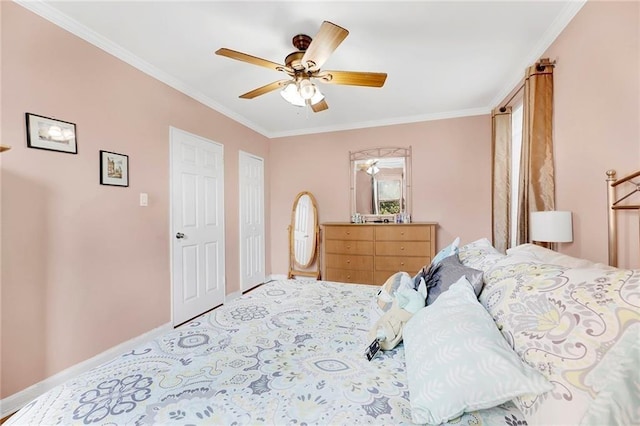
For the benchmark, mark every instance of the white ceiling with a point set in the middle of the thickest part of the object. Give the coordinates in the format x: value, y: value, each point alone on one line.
x: 443, y: 59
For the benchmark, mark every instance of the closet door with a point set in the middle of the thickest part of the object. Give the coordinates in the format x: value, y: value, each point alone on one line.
x: 252, y: 232
x: 197, y: 225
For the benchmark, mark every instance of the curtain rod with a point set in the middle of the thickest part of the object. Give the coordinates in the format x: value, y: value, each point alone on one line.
x: 540, y: 66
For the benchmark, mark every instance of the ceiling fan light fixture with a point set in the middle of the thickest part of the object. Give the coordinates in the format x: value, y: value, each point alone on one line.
x: 307, y: 89
x: 291, y: 95
x: 317, y: 97
x: 373, y: 169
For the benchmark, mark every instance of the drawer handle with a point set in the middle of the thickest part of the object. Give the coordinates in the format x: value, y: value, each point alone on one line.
x: 401, y: 263
x: 401, y: 248
x: 348, y: 232
x: 348, y: 277
x: 348, y: 260
x: 348, y: 247
x: 402, y: 233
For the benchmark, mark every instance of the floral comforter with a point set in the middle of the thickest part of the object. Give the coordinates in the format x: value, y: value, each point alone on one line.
x: 288, y: 352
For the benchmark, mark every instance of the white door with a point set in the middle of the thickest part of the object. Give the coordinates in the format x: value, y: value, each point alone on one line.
x: 197, y: 225
x: 252, y: 251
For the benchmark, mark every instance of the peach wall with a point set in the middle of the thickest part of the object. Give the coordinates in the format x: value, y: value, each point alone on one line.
x: 85, y: 268
x: 597, y: 122
x: 451, y: 176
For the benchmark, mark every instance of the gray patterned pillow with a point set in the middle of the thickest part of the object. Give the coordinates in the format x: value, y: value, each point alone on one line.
x: 441, y: 276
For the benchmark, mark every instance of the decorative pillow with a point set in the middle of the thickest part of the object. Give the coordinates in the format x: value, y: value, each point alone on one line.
x: 457, y: 360
x: 443, y: 275
x: 449, y: 250
x: 480, y: 255
x: 384, y: 298
x: 564, y: 321
x: 545, y: 255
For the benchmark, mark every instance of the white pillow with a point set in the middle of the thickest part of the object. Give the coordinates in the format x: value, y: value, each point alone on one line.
x: 545, y: 255
x: 480, y: 254
x: 457, y: 360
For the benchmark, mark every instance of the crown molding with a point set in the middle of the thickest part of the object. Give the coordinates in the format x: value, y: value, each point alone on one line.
x: 557, y: 26
x: 380, y: 123
x: 53, y: 15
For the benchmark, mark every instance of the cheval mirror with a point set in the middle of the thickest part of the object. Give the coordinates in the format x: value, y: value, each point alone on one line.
x: 304, y: 237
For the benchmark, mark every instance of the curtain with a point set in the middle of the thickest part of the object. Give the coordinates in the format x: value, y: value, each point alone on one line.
x: 501, y: 177
x: 536, y: 186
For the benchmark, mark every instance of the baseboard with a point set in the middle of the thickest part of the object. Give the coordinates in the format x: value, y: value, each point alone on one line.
x: 276, y: 277
x: 13, y: 403
x: 232, y: 296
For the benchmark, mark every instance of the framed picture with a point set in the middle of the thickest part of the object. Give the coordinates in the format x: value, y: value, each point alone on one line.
x: 49, y: 133
x: 114, y: 169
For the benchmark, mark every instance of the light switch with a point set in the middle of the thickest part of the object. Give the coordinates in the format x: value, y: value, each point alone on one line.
x: 144, y: 199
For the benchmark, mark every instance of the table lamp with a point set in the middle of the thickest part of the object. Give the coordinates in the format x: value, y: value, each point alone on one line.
x: 551, y: 227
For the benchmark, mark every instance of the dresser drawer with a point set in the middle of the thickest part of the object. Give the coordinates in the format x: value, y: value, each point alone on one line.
x: 355, y: 232
x: 346, y: 261
x: 349, y: 276
x: 399, y: 263
x: 371, y: 253
x: 403, y: 233
x: 348, y: 247
x: 402, y: 248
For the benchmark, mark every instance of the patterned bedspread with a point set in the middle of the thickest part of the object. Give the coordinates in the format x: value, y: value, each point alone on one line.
x: 289, y: 352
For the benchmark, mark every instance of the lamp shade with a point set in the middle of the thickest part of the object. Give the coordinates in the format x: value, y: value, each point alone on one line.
x: 291, y: 93
x: 551, y: 226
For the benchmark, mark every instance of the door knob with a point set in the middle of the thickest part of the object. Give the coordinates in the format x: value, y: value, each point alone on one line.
x: 179, y: 235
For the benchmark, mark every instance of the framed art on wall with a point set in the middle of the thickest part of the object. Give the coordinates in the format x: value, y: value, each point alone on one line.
x: 114, y: 169
x: 51, y: 134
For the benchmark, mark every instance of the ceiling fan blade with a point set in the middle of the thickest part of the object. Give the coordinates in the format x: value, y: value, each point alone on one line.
x: 320, y: 106
x: 323, y: 44
x: 239, y: 56
x: 353, y: 78
x: 264, y: 89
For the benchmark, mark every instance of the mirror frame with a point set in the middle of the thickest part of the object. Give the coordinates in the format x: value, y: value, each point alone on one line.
x: 296, y: 268
x: 378, y: 153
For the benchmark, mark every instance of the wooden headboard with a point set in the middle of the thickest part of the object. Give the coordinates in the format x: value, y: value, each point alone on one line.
x: 614, y: 202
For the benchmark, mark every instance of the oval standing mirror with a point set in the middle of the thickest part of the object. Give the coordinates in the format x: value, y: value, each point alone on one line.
x: 381, y: 183
x: 304, y: 237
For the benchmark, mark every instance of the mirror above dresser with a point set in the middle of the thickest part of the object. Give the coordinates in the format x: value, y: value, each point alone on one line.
x: 380, y: 183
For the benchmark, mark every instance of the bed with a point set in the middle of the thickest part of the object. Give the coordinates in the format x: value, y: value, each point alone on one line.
x: 289, y: 352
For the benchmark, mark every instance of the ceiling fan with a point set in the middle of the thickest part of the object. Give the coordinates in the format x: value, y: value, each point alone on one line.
x: 364, y: 165
x: 303, y: 66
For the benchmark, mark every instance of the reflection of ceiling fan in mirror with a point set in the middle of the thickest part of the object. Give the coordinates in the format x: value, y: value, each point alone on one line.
x: 369, y: 166
x: 303, y: 66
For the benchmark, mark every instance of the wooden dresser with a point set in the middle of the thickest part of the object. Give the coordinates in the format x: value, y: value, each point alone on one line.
x: 370, y: 253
